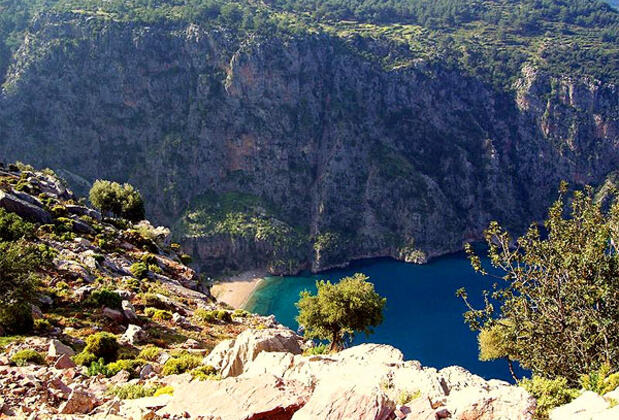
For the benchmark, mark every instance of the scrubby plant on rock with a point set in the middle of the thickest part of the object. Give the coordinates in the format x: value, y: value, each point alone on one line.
x: 181, y: 364
x: 204, y: 373
x: 27, y: 356
x: 104, y: 297
x: 549, y: 393
x: 150, y: 353
x: 84, y: 358
x: 103, y: 345
x: 130, y: 365
x: 132, y: 391
x: 139, y: 270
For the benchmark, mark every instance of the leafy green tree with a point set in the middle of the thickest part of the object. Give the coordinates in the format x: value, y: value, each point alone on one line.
x: 557, y: 302
x: 18, y: 285
x: 120, y: 200
x: 340, y: 310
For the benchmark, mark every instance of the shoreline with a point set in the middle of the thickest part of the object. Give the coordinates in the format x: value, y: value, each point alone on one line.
x: 236, y: 290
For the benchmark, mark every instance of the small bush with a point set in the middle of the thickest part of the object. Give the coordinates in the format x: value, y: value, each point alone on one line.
x: 404, y: 397
x: 162, y: 315
x: 317, y: 350
x: 223, y: 316
x: 150, y: 311
x: 16, y: 319
x: 240, y: 313
x: 151, y: 299
x: 155, y: 269
x: 25, y: 357
x: 98, y: 368
x: 186, y: 259
x: 149, y: 258
x: 150, y: 353
x: 600, y: 381
x: 181, y: 364
x: 103, y: 345
x: 13, y: 227
x: 132, y: 391
x: 84, y: 358
x: 104, y: 297
x: 550, y: 393
x: 139, y: 270
x: 130, y: 365
x: 42, y: 325
x: 204, y: 315
x: 166, y: 390
x: 204, y: 373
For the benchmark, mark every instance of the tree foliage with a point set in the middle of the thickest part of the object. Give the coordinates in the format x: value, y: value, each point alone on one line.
x: 118, y: 199
x: 339, y: 310
x: 556, y: 306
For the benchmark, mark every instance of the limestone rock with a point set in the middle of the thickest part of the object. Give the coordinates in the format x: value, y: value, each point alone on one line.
x: 24, y: 209
x: 588, y: 406
x: 264, y: 397
x: 347, y: 399
x: 133, y: 335
x: 246, y: 347
x: 64, y: 362
x: 79, y: 402
x: 58, y: 348
x: 113, y: 314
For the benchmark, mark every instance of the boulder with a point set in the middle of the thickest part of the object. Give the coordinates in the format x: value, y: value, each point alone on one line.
x: 133, y: 335
x: 83, y: 211
x: 232, y: 356
x: 129, y: 311
x: 79, y: 402
x: 260, y: 398
x: 114, y: 315
x: 146, y: 371
x: 64, y: 362
x: 24, y: 209
x: 588, y: 405
x: 58, y: 348
x: 347, y: 398
x: 81, y: 227
x: 418, y: 409
x: 83, y: 292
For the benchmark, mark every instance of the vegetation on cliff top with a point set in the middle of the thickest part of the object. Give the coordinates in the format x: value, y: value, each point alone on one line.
x: 490, y: 39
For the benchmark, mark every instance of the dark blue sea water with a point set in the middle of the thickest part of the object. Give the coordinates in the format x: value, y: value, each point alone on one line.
x: 423, y: 316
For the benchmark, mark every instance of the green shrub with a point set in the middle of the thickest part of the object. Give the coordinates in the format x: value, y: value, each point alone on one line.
x: 151, y: 299
x: 104, y: 297
x: 150, y: 353
x: 181, y: 364
x: 223, y: 316
x: 149, y: 258
x: 16, y: 319
x: 186, y: 259
x: 166, y: 390
x: 98, y: 368
x: 162, y: 315
x: 150, y: 311
x: 204, y: 315
x: 550, y: 393
x: 25, y: 357
x: 13, y: 227
x: 404, y: 397
x: 103, y: 345
x: 601, y: 380
x: 42, y: 324
x: 130, y: 365
x: 84, y: 358
x: 241, y: 313
x: 317, y: 350
x: 175, y: 246
x: 132, y: 391
x: 155, y: 269
x: 139, y: 270
x: 204, y: 373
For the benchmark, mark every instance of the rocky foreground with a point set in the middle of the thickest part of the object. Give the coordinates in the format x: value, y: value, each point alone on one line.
x: 178, y: 353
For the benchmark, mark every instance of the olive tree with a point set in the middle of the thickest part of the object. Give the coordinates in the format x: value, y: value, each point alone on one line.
x: 339, y: 310
x: 117, y: 199
x: 555, y: 306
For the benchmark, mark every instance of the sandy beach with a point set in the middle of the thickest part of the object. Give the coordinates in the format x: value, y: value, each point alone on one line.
x: 236, y: 290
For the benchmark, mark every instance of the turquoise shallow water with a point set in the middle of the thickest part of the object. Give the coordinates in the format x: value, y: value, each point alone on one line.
x: 423, y: 316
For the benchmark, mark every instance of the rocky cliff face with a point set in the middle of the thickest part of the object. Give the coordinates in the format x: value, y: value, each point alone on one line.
x: 341, y: 157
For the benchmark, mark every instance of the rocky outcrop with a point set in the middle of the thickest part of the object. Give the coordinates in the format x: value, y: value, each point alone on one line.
x: 363, y: 382
x: 23, y: 208
x: 329, y: 148
x: 231, y: 357
x: 259, y: 398
x: 589, y: 405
